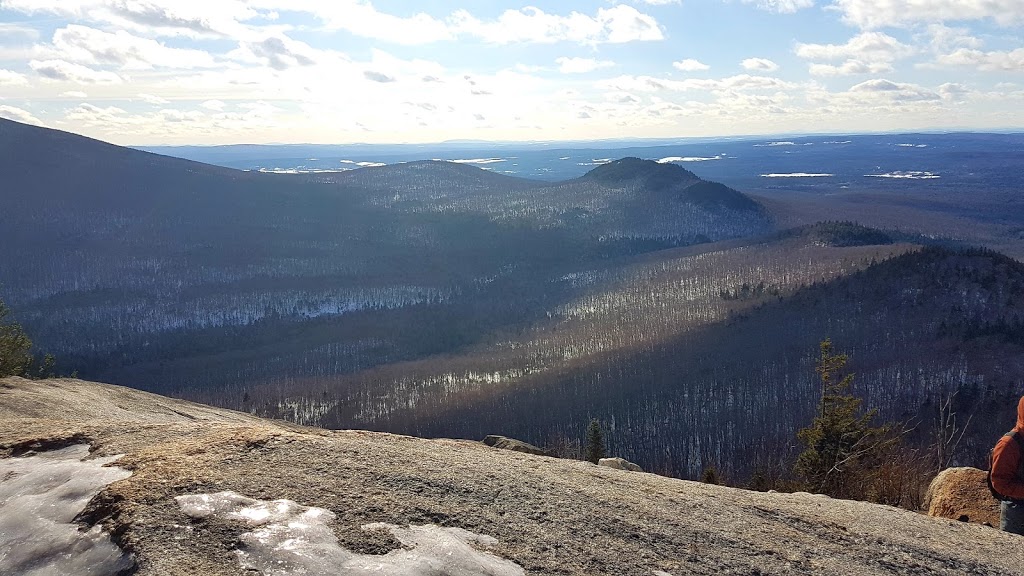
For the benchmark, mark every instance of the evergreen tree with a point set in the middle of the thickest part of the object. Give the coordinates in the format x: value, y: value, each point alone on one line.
x: 711, y: 476
x: 15, y: 347
x: 595, y: 442
x: 841, y: 446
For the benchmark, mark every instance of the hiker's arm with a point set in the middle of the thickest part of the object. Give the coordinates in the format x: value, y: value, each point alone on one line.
x: 1005, y: 465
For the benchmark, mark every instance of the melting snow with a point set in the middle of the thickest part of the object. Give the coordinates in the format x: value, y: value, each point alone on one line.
x: 595, y: 162
x: 364, y: 164
x: 672, y: 159
x: 912, y: 175
x: 476, y: 160
x: 797, y: 175
x: 292, y: 539
x: 40, y: 496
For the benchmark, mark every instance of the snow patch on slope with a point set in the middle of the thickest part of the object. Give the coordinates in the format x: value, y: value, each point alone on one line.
x: 40, y: 496
x: 292, y: 539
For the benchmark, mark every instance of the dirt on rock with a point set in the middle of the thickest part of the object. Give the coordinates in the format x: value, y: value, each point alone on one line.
x: 550, y: 516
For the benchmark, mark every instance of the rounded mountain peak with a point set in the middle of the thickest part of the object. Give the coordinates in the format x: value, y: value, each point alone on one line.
x: 654, y: 175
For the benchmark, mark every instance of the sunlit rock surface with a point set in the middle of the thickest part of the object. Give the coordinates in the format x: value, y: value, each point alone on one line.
x: 292, y: 539
x: 547, y: 515
x: 40, y: 496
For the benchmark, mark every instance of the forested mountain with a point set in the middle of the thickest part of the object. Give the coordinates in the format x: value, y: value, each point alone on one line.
x: 440, y: 299
x: 126, y: 257
x: 706, y: 359
x: 623, y: 200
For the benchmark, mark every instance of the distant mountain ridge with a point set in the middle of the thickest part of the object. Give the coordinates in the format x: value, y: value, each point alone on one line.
x: 432, y: 297
x: 668, y: 178
x: 125, y: 246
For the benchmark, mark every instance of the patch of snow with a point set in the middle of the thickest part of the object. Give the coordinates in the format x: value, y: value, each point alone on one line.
x: 40, y: 496
x: 292, y: 539
x: 364, y: 164
x: 671, y: 159
x: 797, y: 175
x: 478, y: 161
x: 595, y: 162
x: 301, y: 170
x: 912, y: 175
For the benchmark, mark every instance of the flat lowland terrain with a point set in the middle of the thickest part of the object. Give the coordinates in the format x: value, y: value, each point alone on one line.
x: 549, y: 516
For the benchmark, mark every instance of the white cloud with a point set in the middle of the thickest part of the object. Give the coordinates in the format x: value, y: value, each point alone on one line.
x: 19, y: 115
x: 63, y: 71
x: 690, y: 65
x: 616, y: 25
x: 244, y: 55
x: 849, y: 68
x: 867, y: 46
x: 11, y: 78
x: 870, y: 14
x: 733, y: 83
x: 16, y: 33
x: 190, y: 18
x: 581, y: 65
x: 954, y: 92
x: 93, y: 114
x: 660, y: 2
x: 760, y: 65
x: 155, y: 100
x: 781, y: 6
x: 944, y: 38
x: 380, y: 77
x: 896, y: 91
x: 361, y: 18
x: 178, y: 116
x: 91, y: 46
x: 278, y: 52
x: 996, y: 61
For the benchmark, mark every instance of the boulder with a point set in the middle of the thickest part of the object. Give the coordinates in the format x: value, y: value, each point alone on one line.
x: 962, y: 494
x: 514, y: 445
x: 619, y: 464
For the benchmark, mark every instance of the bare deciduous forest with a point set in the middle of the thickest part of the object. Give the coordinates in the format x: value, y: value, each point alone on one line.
x: 439, y: 299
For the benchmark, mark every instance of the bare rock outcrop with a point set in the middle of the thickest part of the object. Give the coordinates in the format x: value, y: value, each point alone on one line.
x: 962, y: 494
x: 375, y: 494
x: 514, y: 445
x: 619, y: 464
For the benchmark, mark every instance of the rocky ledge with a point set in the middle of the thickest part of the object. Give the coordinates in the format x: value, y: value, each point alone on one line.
x: 219, y: 492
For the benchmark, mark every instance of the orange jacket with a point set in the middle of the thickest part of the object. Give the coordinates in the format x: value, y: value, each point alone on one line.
x: 1006, y: 461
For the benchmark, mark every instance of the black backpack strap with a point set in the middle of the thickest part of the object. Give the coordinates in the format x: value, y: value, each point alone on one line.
x: 1020, y: 441
x: 1019, y: 438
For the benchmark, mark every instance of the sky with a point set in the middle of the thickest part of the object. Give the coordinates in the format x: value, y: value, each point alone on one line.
x: 153, y: 72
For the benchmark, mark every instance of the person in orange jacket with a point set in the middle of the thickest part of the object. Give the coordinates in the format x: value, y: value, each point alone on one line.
x: 1008, y: 475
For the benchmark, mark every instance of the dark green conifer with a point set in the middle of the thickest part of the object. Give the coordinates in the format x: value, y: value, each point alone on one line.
x: 711, y: 476
x: 840, y: 445
x: 15, y: 347
x: 595, y: 442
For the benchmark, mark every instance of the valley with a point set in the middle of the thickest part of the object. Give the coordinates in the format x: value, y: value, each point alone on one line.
x: 444, y: 300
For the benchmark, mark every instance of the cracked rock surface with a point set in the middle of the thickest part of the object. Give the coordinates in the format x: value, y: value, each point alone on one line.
x: 546, y: 515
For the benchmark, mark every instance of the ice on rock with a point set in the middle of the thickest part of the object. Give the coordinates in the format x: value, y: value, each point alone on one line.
x: 288, y: 538
x: 40, y: 496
